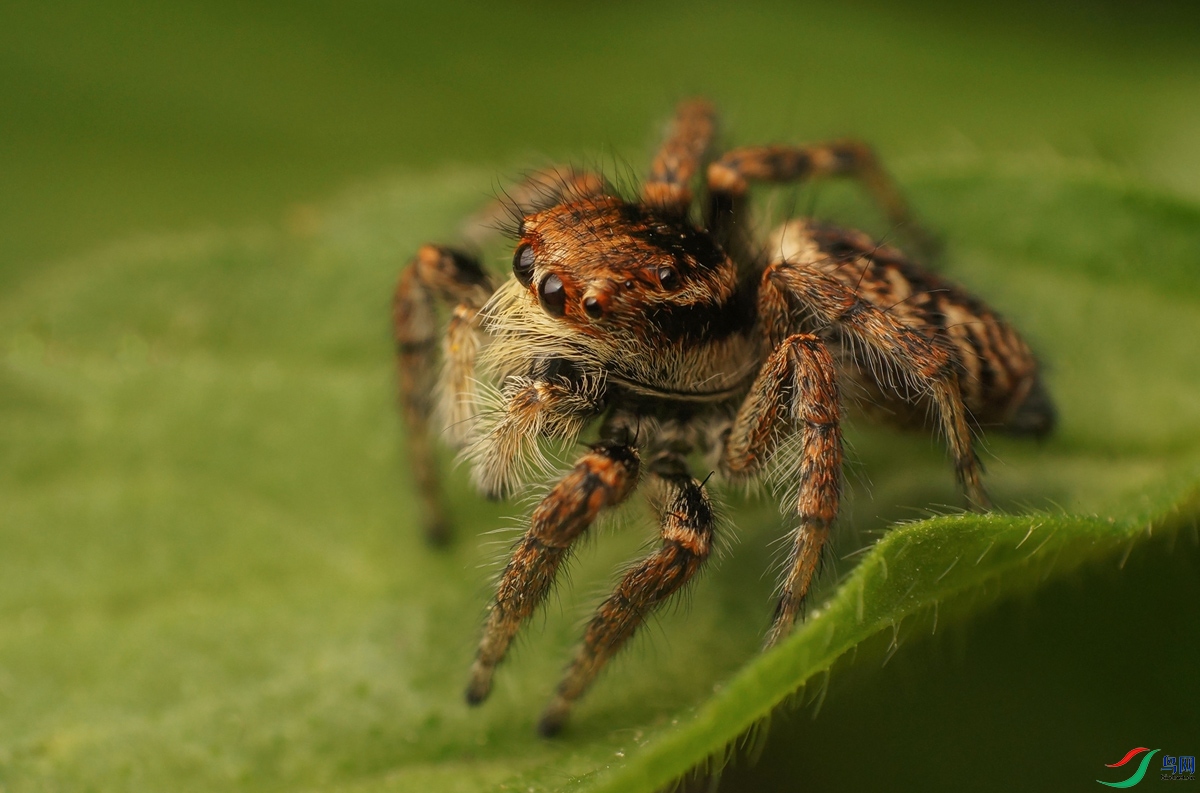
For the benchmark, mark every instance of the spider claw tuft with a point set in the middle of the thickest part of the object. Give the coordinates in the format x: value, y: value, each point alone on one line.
x: 480, y: 686
x: 554, y: 718
x: 438, y: 533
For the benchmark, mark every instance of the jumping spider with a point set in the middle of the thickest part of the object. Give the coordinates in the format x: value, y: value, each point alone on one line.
x: 684, y: 339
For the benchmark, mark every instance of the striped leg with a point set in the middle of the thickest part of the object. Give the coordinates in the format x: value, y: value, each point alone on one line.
x: 679, y: 157
x: 603, y: 477
x: 687, y: 526
x: 434, y: 273
x: 729, y: 180
x: 795, y: 389
x: 789, y: 289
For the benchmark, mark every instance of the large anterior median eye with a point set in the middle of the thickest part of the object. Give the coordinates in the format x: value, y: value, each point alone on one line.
x: 552, y: 296
x: 523, y: 264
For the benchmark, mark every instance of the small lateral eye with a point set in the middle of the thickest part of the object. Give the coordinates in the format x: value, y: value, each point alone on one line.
x: 593, y: 308
x: 668, y: 278
x: 523, y: 264
x: 552, y: 295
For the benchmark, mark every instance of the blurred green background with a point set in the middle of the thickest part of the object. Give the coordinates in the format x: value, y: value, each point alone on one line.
x: 135, y: 120
x: 129, y: 116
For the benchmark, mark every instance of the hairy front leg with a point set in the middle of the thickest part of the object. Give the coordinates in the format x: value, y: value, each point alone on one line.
x: 603, y: 477
x: 435, y: 273
x: 795, y: 391
x: 729, y: 181
x: 686, y: 531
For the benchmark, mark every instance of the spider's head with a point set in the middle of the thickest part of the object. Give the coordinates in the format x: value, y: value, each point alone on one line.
x: 603, y: 266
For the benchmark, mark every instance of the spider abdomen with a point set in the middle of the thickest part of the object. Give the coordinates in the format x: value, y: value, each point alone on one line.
x: 998, y: 373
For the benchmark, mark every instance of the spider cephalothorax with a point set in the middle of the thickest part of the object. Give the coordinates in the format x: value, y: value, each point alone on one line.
x: 679, y: 341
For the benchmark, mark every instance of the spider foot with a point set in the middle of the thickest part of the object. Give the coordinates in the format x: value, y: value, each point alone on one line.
x: 554, y: 717
x: 480, y: 684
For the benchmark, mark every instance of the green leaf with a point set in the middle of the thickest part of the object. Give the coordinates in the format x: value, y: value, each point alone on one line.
x: 212, y: 578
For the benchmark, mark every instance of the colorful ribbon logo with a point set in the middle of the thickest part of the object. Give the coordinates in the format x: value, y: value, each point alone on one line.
x: 1137, y: 775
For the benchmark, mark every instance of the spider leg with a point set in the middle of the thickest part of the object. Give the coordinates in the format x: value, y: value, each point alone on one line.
x: 434, y: 273
x: 604, y: 476
x: 729, y: 181
x: 796, y: 293
x: 458, y: 403
x: 679, y: 157
x: 795, y: 389
x: 686, y: 531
